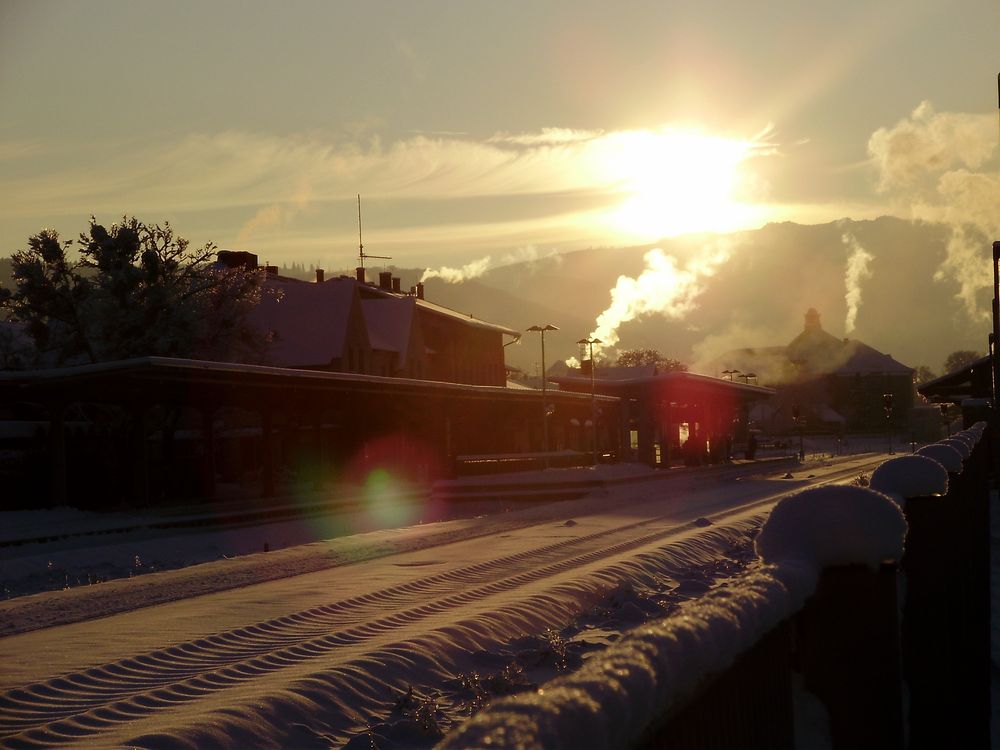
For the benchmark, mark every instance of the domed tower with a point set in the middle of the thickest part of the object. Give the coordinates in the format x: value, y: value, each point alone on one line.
x: 812, y: 320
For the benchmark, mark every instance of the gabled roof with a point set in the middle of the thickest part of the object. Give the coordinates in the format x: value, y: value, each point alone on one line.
x: 864, y: 360
x: 813, y: 352
x: 975, y: 380
x: 309, y: 320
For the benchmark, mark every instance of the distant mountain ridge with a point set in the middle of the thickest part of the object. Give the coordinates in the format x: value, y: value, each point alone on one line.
x: 757, y: 298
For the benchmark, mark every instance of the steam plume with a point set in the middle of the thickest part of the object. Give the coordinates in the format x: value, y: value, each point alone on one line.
x: 452, y: 275
x: 857, y: 271
x: 944, y: 168
x: 663, y: 287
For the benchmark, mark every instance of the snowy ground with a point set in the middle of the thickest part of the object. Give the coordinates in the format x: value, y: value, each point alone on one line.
x: 386, y: 637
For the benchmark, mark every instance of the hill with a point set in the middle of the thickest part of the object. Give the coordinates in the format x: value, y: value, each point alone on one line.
x: 757, y: 297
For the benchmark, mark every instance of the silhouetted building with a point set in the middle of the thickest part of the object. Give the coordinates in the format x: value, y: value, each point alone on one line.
x: 835, y: 383
x: 346, y: 324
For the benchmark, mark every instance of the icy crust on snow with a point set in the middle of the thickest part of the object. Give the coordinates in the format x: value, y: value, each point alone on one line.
x: 835, y: 525
x: 612, y: 698
x: 910, y: 476
x: 945, y: 455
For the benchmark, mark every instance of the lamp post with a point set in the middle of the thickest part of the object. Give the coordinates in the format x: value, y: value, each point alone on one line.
x: 887, y: 406
x: 545, y: 406
x: 593, y: 400
x: 800, y: 423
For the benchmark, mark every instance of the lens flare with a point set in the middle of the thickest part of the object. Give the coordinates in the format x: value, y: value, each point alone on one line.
x: 387, y: 501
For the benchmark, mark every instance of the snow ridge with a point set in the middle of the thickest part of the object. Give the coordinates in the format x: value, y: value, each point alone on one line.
x: 614, y: 697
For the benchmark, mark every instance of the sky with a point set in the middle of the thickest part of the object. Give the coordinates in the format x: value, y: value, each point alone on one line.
x: 474, y: 129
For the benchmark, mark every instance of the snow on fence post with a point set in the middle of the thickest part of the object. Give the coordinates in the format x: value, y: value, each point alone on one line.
x: 847, y: 634
x: 665, y: 671
x: 970, y: 493
x: 932, y: 565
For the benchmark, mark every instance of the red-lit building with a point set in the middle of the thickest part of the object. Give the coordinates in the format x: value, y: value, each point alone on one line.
x: 671, y: 416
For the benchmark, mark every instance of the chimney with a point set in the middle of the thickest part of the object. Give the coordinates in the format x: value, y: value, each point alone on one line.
x: 385, y: 280
x: 359, y: 274
x: 395, y: 284
x: 319, y: 275
x: 420, y: 290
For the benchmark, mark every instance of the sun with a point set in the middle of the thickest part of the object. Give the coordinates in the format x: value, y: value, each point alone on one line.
x: 677, y: 181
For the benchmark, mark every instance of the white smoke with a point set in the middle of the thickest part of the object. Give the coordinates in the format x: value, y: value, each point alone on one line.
x: 663, y: 287
x: 858, y: 269
x: 452, y: 275
x: 943, y: 167
x: 727, y: 350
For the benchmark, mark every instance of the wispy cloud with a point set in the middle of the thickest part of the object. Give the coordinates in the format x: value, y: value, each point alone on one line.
x: 272, y: 189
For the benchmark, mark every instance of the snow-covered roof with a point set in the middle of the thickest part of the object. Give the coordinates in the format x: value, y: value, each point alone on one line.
x: 972, y: 381
x: 642, y: 378
x: 309, y: 320
x: 468, y: 320
x: 389, y: 322
x: 862, y: 359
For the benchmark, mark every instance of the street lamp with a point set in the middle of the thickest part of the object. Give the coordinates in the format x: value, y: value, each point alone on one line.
x: 887, y: 406
x: 800, y: 422
x: 545, y: 406
x: 593, y: 400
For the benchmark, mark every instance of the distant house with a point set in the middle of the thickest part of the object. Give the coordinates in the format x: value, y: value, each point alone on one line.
x: 347, y: 324
x: 833, y: 383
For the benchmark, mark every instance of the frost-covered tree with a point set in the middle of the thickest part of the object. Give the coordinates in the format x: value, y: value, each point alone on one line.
x: 134, y: 290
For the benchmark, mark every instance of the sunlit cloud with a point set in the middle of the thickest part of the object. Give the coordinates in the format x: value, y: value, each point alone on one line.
x: 546, y: 137
x: 944, y: 167
x: 635, y: 184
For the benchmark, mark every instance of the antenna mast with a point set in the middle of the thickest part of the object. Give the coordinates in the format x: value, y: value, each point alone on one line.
x: 361, y: 247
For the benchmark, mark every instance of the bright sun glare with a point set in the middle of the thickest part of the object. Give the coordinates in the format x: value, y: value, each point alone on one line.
x: 676, y: 182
